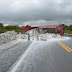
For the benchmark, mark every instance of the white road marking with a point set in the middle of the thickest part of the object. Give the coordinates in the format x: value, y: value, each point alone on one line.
x: 20, y: 61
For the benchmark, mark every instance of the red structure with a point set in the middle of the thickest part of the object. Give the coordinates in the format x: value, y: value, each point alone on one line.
x: 59, y: 27
x: 49, y: 26
x: 61, y: 31
x: 26, y: 28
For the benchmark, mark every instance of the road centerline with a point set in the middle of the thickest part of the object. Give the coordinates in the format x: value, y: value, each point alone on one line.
x: 65, y: 47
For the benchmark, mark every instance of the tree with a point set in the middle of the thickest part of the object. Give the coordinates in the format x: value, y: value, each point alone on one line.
x: 1, y: 25
x: 70, y: 26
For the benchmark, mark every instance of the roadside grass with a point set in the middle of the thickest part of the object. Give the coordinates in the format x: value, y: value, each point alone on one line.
x: 3, y: 30
x: 68, y: 32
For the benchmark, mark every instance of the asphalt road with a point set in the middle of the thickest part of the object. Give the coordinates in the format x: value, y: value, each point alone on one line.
x: 40, y: 56
x: 9, y: 55
x: 51, y: 56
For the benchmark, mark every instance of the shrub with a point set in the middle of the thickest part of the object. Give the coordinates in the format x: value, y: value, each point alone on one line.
x: 70, y: 29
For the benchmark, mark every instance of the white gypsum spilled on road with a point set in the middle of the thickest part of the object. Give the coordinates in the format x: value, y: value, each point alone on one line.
x: 11, y: 43
x: 43, y: 37
x: 7, y: 37
x: 15, y: 66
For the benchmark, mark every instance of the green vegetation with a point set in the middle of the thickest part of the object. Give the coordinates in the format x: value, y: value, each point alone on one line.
x: 10, y: 28
x: 68, y: 32
x: 68, y: 29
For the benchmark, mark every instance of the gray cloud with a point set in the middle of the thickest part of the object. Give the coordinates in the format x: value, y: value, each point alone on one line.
x: 24, y: 11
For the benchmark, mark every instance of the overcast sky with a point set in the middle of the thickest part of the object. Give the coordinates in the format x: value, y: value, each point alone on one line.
x: 35, y: 12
